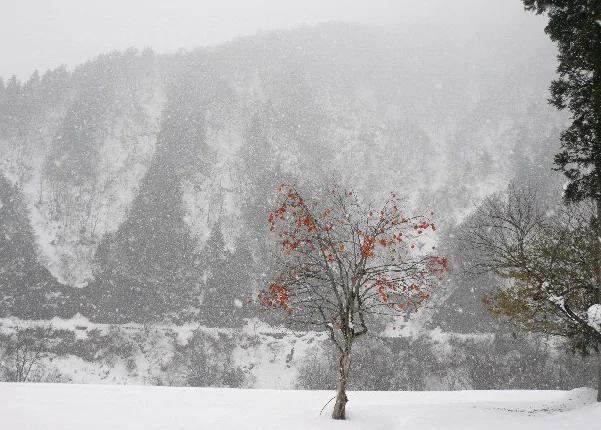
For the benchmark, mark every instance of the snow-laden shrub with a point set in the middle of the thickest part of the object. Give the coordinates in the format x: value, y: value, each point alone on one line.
x: 205, y: 361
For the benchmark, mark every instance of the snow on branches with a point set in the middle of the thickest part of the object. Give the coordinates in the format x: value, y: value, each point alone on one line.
x: 548, y: 258
x: 342, y: 262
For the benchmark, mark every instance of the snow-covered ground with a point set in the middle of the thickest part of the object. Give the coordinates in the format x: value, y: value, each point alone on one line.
x: 103, y: 407
x: 268, y: 356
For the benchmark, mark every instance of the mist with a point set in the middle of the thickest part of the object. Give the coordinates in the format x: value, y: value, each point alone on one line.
x: 264, y: 201
x: 41, y: 35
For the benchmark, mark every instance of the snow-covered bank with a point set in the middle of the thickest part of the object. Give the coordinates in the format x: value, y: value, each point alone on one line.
x: 265, y: 356
x: 94, y: 407
x: 260, y: 356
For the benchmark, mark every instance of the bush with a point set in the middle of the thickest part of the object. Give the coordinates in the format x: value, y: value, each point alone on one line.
x: 206, y: 361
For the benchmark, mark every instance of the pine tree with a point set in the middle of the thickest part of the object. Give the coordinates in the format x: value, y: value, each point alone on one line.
x: 151, y: 263
x: 25, y: 284
x: 17, y: 254
x: 227, y: 285
x: 575, y: 25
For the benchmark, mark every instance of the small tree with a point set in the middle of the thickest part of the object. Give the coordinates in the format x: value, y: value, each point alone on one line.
x: 24, y: 352
x: 550, y: 260
x: 342, y: 264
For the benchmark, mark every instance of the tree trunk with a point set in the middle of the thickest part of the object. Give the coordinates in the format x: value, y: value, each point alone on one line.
x: 599, y: 377
x: 344, y: 365
x: 599, y: 292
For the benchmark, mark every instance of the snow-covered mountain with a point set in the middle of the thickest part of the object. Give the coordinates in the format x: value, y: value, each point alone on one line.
x: 132, y: 163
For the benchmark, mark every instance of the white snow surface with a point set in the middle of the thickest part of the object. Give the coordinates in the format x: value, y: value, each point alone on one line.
x: 102, y: 407
x: 594, y: 316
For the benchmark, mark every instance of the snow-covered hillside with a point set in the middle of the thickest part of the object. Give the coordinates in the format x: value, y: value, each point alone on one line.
x: 261, y: 356
x: 264, y: 356
x: 86, y: 159
x: 74, y: 407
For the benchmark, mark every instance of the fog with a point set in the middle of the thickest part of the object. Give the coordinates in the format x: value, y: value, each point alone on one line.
x: 43, y: 34
x: 231, y: 193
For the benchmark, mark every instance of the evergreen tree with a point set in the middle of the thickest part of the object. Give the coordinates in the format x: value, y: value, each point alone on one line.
x: 17, y: 254
x: 27, y: 289
x: 575, y: 25
x: 227, y: 286
x: 151, y: 263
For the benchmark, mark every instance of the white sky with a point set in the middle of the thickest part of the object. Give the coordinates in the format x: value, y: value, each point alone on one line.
x: 43, y: 34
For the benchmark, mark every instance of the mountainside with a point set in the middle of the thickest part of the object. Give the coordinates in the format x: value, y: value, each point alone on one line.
x: 146, y: 179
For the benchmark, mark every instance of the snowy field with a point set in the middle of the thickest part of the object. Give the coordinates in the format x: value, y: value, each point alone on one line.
x: 95, y: 407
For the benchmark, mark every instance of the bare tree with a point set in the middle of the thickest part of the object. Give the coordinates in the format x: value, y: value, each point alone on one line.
x: 25, y: 351
x: 342, y: 263
x: 549, y: 257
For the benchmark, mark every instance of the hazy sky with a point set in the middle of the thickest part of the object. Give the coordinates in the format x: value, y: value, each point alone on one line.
x: 43, y: 34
